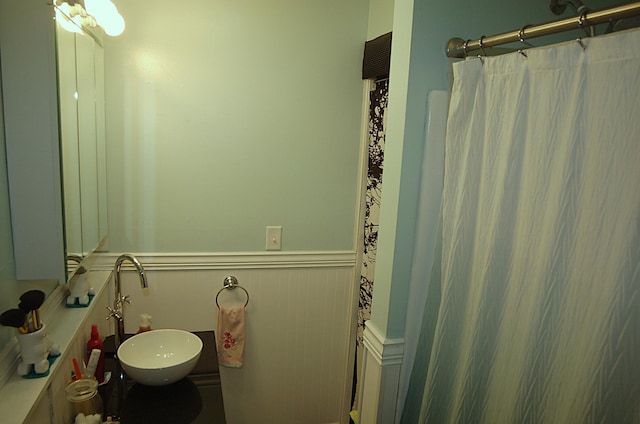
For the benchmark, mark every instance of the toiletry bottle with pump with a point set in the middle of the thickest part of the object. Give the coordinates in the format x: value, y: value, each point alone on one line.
x: 95, y: 342
x: 145, y: 323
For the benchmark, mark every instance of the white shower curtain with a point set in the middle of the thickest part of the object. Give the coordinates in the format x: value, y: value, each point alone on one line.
x: 539, y: 317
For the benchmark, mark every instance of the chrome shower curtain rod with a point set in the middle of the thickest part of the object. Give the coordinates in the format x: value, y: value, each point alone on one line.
x: 459, y: 48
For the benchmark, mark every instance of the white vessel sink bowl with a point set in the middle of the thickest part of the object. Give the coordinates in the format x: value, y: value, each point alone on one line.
x: 160, y: 357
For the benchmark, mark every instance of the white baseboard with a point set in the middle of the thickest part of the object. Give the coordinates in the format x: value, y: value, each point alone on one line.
x: 381, y: 372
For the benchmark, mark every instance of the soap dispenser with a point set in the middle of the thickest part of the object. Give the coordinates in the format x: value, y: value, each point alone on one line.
x: 145, y: 323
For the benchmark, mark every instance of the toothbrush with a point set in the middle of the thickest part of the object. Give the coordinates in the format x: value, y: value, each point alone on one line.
x: 76, y: 367
x: 93, y: 362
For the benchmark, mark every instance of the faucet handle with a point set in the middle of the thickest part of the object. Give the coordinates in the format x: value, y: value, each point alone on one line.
x: 125, y: 299
x: 113, y: 313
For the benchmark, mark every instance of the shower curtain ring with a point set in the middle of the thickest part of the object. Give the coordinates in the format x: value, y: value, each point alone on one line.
x: 521, y: 36
x: 465, y: 46
x: 481, y: 45
x: 582, y: 18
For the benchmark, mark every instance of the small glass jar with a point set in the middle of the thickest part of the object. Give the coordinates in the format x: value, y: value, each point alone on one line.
x: 85, y: 401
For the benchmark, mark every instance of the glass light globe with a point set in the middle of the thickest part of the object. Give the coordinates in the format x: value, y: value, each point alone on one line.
x: 115, y: 25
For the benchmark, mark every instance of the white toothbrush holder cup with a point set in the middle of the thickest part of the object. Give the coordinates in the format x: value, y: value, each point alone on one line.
x: 35, y: 348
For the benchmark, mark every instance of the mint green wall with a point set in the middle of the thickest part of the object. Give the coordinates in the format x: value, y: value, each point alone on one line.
x: 7, y: 265
x: 226, y: 117
x: 421, y: 29
x: 380, y: 18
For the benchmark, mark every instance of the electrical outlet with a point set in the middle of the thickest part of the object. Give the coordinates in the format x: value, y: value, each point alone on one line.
x: 274, y: 238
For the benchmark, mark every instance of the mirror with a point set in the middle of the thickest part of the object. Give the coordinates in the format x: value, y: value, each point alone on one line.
x: 10, y: 288
x: 80, y: 62
x: 28, y: 128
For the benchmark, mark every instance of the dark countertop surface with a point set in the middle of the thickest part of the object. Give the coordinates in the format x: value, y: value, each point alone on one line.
x: 196, y: 398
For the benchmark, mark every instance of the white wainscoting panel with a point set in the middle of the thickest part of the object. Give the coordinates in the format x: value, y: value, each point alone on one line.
x: 297, y: 362
x: 381, y: 373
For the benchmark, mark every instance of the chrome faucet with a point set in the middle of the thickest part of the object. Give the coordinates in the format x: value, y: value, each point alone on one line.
x: 117, y: 311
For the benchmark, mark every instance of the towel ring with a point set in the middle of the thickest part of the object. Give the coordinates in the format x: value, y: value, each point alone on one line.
x: 231, y: 283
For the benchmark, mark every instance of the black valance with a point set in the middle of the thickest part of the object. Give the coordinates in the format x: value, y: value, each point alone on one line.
x: 377, y: 57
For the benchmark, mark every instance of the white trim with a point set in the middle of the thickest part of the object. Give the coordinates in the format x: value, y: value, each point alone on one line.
x: 236, y: 260
x: 363, y: 169
x: 381, y: 372
x: 384, y: 351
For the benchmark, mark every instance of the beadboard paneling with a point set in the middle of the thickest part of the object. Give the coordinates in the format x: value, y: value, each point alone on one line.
x: 297, y: 363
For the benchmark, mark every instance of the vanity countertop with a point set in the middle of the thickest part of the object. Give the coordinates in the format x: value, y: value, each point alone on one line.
x: 196, y: 398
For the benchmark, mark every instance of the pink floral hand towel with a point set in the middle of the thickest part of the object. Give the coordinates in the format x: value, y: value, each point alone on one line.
x: 230, y: 336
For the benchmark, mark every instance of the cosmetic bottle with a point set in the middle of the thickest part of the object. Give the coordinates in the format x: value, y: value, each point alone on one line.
x: 145, y: 323
x: 95, y: 342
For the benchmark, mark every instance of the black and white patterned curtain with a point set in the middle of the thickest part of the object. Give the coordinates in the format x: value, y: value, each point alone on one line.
x: 378, y: 99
